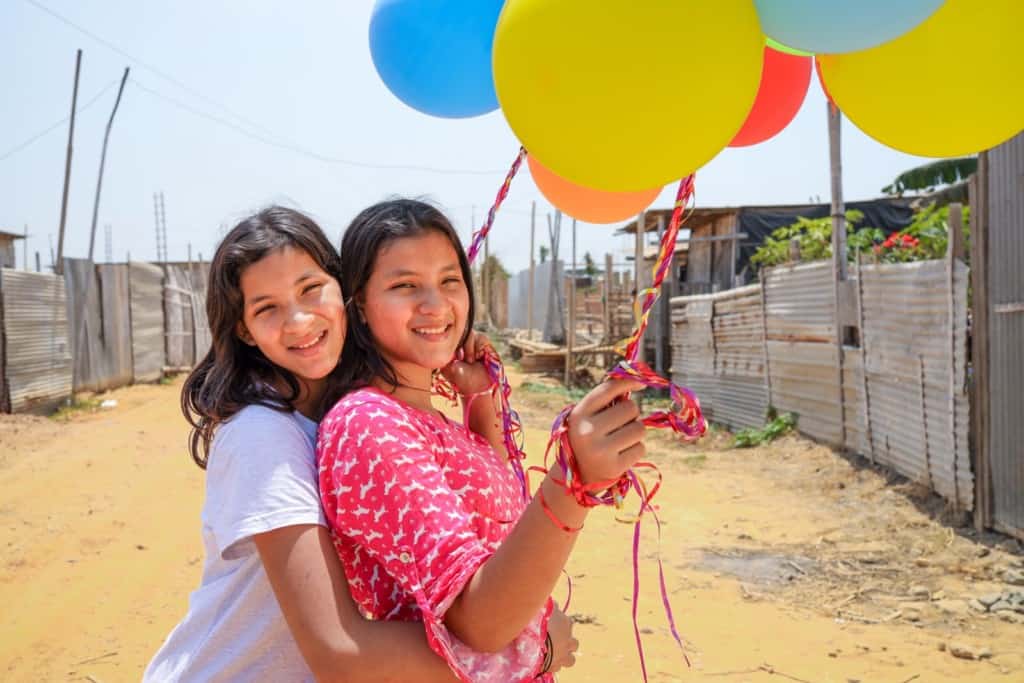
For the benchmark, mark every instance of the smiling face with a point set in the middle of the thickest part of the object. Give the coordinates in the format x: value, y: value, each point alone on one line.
x: 293, y: 312
x: 416, y: 304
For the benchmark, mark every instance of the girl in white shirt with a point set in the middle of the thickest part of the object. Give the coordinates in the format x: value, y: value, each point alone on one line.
x: 273, y: 603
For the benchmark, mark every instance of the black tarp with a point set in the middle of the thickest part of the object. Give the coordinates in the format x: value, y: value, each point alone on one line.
x: 890, y: 215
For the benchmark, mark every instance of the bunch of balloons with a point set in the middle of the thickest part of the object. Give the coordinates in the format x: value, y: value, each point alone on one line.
x: 615, y: 99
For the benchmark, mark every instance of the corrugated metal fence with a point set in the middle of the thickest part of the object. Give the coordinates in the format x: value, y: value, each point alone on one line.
x: 95, y: 328
x: 146, y: 291
x: 997, y: 227
x: 902, y: 400
x: 98, y: 308
x: 36, y: 360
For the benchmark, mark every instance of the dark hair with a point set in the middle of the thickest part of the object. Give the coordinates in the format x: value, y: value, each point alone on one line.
x: 233, y: 374
x: 368, y: 233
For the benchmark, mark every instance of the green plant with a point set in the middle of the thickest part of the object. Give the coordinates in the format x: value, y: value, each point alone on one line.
x: 776, y: 427
x: 75, y: 406
x: 814, y: 237
x: 925, y: 238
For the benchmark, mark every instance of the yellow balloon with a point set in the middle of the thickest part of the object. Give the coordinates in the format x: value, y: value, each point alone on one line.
x: 952, y: 86
x: 624, y: 96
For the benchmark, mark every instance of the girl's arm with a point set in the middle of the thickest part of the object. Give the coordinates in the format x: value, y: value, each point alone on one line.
x: 334, y: 638
x: 512, y: 585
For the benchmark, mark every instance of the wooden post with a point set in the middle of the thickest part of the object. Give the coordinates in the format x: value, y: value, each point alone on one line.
x: 794, y: 250
x: 659, y: 318
x: 838, y: 207
x: 954, y: 252
x: 103, y: 159
x: 864, y: 359
x: 638, y: 272
x: 570, y: 334
x: 606, y: 307
x: 533, y: 268
x: 59, y: 263
x: 763, y: 276
x: 924, y: 423
x: 838, y: 253
x: 980, y: 397
x: 38, y: 265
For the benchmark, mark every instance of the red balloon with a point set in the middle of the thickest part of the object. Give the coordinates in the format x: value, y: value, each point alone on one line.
x: 784, y: 81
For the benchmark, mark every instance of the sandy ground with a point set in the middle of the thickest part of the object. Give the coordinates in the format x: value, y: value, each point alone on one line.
x: 784, y: 563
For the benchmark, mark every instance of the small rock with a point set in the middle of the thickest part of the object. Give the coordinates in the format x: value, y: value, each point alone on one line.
x: 954, y: 607
x: 941, y: 646
x: 1010, y: 617
x: 976, y: 605
x: 833, y: 654
x: 989, y: 599
x: 1001, y: 606
x: 983, y: 552
x: 1014, y: 577
x: 910, y: 611
x: 920, y: 592
x: 962, y: 651
x: 938, y: 595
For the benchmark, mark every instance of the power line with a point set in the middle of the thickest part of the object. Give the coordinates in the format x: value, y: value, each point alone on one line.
x: 264, y: 139
x: 305, y: 152
x: 26, y: 143
x: 148, y: 67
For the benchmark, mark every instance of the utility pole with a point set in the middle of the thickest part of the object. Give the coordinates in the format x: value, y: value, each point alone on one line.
x: 533, y: 268
x: 839, y: 274
x: 160, y: 218
x: 838, y: 207
x: 59, y: 263
x: 108, y: 251
x: 103, y: 159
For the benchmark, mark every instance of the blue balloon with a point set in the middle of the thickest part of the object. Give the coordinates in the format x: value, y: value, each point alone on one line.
x: 834, y: 26
x: 435, y: 55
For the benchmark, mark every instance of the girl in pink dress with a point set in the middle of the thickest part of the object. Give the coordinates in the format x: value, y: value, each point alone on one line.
x: 428, y: 518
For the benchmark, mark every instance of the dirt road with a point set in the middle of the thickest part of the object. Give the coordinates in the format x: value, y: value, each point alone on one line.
x: 784, y: 563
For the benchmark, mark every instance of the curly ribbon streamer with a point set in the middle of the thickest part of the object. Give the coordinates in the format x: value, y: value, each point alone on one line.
x: 686, y: 420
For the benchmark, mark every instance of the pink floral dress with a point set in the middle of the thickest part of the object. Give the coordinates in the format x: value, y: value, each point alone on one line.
x: 416, y: 504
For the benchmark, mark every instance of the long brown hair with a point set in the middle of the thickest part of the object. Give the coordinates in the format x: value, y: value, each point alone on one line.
x: 233, y: 374
x: 369, y: 232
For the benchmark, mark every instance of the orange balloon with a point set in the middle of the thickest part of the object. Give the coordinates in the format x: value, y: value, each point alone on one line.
x: 586, y: 204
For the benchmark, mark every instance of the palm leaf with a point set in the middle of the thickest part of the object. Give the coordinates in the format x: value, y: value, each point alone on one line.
x: 942, y: 172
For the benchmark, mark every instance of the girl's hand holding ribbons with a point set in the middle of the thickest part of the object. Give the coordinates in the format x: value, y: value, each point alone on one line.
x: 467, y: 372
x: 604, y: 432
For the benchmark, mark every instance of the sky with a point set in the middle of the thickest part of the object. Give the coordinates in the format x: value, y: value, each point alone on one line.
x: 231, y: 106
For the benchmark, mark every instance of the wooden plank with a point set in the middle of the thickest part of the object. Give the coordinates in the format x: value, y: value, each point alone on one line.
x: 570, y: 334
x: 533, y: 268
x: 980, y: 397
x: 606, y: 302
x: 864, y: 358
x: 953, y: 251
x: 640, y: 278
x: 764, y: 338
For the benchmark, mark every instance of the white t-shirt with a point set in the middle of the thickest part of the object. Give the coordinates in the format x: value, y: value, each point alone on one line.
x: 261, y: 476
